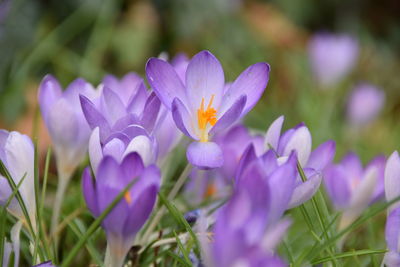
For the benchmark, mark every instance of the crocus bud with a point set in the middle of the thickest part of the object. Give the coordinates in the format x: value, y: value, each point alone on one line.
x: 332, y: 57
x: 17, y: 154
x: 130, y: 214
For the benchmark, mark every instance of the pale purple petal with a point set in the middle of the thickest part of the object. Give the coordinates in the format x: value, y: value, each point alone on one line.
x: 300, y: 141
x: 392, y: 231
x: 322, y: 156
x: 204, y: 79
x: 252, y: 83
x: 392, y: 177
x: 230, y: 116
x: 150, y: 112
x: 182, y: 119
x: 337, y: 186
x: 165, y: 82
x: 95, y: 151
x: 205, y: 155
x: 94, y: 117
x: 304, y: 191
x: 115, y: 109
x: 49, y: 92
x: 114, y: 148
x: 273, y: 134
x: 143, y: 145
x: 89, y: 192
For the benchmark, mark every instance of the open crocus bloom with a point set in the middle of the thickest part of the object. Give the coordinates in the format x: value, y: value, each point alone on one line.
x: 201, y: 107
x: 313, y: 162
x: 353, y: 188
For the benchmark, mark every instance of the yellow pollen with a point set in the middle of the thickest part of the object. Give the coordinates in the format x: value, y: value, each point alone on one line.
x: 128, y: 197
x: 204, y: 117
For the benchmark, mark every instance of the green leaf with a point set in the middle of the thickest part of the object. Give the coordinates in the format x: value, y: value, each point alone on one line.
x: 180, y: 219
x: 349, y: 254
x: 182, y: 249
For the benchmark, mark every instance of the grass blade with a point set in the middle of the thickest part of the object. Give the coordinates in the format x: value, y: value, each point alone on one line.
x: 350, y: 254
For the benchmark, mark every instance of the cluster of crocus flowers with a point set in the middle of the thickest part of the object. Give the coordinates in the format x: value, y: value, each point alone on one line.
x: 249, y: 226
x: 203, y: 105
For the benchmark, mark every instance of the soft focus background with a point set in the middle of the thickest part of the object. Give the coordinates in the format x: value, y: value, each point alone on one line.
x: 90, y: 38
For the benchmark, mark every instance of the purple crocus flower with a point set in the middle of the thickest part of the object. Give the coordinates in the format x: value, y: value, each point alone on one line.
x: 200, y: 107
x: 17, y: 154
x: 392, y: 191
x: 313, y: 162
x: 332, y: 56
x: 247, y: 229
x: 352, y: 188
x: 365, y: 103
x: 65, y: 122
x: 129, y: 215
x: 45, y: 264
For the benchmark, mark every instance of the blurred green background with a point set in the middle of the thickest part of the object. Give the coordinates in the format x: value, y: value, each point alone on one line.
x: 90, y: 38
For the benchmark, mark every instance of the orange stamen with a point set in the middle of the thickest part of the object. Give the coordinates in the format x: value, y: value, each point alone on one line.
x: 128, y: 197
x: 206, y: 116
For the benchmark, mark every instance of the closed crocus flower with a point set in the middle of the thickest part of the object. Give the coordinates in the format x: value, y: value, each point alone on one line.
x: 17, y: 154
x: 67, y: 127
x: 132, y: 138
x: 313, y: 162
x: 392, y: 178
x: 332, y: 56
x: 364, y: 104
x: 201, y: 107
x: 352, y: 188
x: 129, y: 215
x: 249, y: 237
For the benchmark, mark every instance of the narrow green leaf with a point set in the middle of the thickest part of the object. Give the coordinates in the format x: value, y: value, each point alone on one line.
x: 178, y: 259
x: 182, y: 249
x: 180, y: 219
x: 93, y: 227
x: 349, y: 254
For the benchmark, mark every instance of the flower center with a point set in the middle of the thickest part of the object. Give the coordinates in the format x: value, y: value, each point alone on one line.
x: 204, y: 117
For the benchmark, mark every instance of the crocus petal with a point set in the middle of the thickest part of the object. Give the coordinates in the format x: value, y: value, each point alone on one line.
x: 304, y: 191
x: 94, y: 117
x: 337, y: 185
x: 15, y: 232
x: 301, y: 142
x: 49, y: 92
x: 275, y: 234
x: 322, y: 156
x: 392, y: 231
x: 360, y: 198
x: 150, y: 112
x: 230, y: 116
x: 63, y: 123
x: 205, y: 155
x: 164, y: 80
x: 392, y: 259
x: 352, y: 164
x: 137, y: 101
x: 251, y: 82
x: 282, y: 183
x: 95, y: 151
x: 115, y: 107
x: 89, y: 192
x: 132, y: 166
x: 182, y: 119
x: 114, y: 148
x: 204, y: 78
x: 144, y: 147
x: 273, y: 133
x: 392, y: 177
x: 248, y: 156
